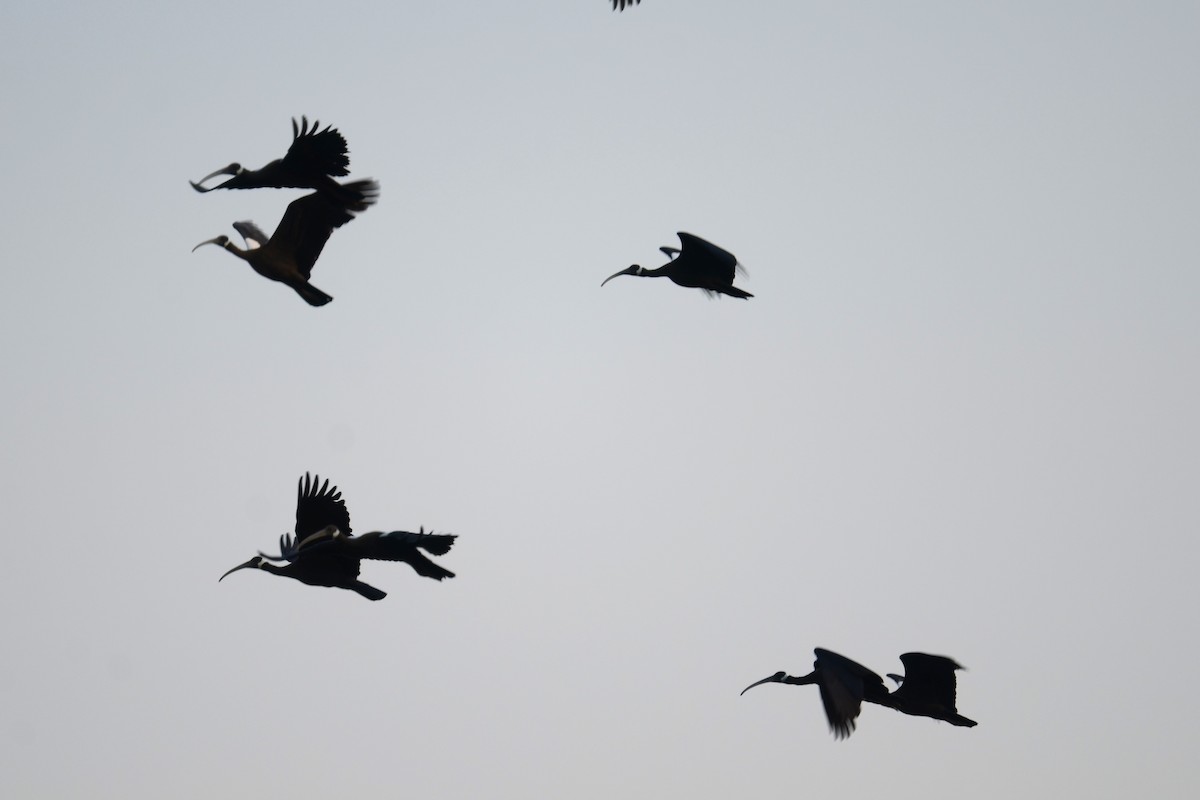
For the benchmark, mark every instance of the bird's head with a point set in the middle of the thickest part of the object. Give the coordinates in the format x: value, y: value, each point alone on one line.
x: 233, y: 169
x: 254, y: 563
x: 219, y: 240
x: 631, y: 270
x: 776, y: 678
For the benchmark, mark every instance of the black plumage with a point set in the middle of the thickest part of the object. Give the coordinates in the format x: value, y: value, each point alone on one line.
x: 927, y: 689
x: 699, y: 264
x: 324, y: 552
x: 289, y: 254
x: 315, y: 158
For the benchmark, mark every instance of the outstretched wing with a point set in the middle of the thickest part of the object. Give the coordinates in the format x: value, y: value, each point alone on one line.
x: 317, y: 507
x: 620, y: 4
x: 309, y: 222
x: 317, y: 152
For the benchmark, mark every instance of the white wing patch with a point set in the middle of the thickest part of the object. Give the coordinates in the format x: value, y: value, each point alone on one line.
x: 253, y: 235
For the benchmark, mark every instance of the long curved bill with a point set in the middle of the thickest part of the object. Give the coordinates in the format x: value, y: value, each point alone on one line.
x: 626, y: 271
x: 216, y: 240
x: 249, y: 563
x: 230, y: 170
x: 771, y: 679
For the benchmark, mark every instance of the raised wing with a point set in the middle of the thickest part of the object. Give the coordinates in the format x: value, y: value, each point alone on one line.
x: 253, y: 234
x: 317, y: 152
x: 319, y: 506
x: 309, y: 222
x: 706, y: 249
x: 708, y: 264
x: 929, y: 679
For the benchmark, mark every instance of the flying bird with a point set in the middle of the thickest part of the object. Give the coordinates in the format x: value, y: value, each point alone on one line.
x: 323, y: 552
x: 315, y: 158
x: 699, y: 264
x: 844, y: 685
x: 289, y: 254
x: 620, y: 4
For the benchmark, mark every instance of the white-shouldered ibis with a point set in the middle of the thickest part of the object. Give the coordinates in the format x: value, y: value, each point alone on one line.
x: 323, y: 551
x: 700, y: 264
x: 314, y: 159
x: 927, y: 690
x: 289, y: 254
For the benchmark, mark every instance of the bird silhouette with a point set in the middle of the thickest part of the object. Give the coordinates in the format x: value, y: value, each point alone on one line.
x: 699, y: 264
x: 289, y: 254
x: 323, y: 551
x: 314, y: 159
x: 927, y: 690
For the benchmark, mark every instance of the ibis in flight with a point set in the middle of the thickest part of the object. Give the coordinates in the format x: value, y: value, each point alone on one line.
x: 699, y: 264
x: 289, y: 254
x: 926, y: 690
x: 323, y: 552
x: 315, y: 158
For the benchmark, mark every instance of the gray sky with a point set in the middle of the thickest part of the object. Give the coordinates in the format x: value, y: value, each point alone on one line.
x: 958, y: 416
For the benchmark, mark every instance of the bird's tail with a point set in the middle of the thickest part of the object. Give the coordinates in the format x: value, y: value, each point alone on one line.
x: 311, y: 294
x: 354, y: 196
x: 357, y: 196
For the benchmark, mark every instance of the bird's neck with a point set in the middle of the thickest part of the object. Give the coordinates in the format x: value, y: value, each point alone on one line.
x: 801, y: 680
x: 237, y: 251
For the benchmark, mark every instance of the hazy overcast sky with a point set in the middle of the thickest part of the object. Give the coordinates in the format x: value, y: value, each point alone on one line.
x: 959, y: 416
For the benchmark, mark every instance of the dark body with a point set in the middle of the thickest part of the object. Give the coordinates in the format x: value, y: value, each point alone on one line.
x: 324, y: 552
x: 314, y: 159
x: 699, y: 264
x: 289, y: 254
x: 927, y: 690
